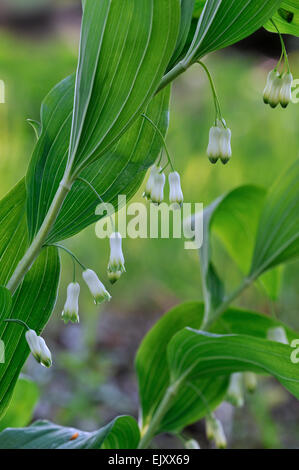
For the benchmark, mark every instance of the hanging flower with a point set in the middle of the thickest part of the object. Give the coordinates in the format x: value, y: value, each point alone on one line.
x: 116, y: 264
x: 250, y: 381
x: 272, y: 95
x: 71, y: 308
x: 235, y: 390
x: 150, y: 182
x: 214, y: 431
x: 219, y: 143
x: 96, y: 287
x: 225, y: 145
x: 285, y: 94
x: 157, y: 194
x: 38, y: 348
x: 213, y: 149
x: 175, y: 191
x: 270, y: 81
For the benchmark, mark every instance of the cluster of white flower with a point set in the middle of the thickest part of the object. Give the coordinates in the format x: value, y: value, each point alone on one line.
x: 39, y: 348
x: 215, y: 432
x: 219, y: 143
x: 154, y: 190
x: 278, y: 89
x: 97, y: 289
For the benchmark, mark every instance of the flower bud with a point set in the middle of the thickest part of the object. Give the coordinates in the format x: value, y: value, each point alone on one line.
x: 250, y: 381
x: 96, y: 287
x: 175, y: 191
x: 116, y: 264
x: 267, y: 91
x: 225, y: 145
x: 157, y: 194
x: 235, y: 390
x: 274, y: 95
x: 214, y: 431
x: 71, y: 308
x: 151, y: 181
x: 213, y: 150
x: 192, y: 444
x: 285, y: 95
x: 38, y: 348
x: 277, y: 334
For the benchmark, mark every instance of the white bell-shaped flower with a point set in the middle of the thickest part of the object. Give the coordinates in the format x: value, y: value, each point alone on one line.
x: 277, y: 334
x: 116, y: 264
x: 214, y: 431
x: 175, y: 191
x: 151, y: 181
x: 213, y: 150
x: 274, y: 96
x: 157, y: 194
x: 38, y: 348
x: 192, y: 444
x: 285, y: 94
x: 235, y: 393
x: 96, y: 287
x: 225, y: 145
x: 71, y: 308
x: 270, y: 80
x: 250, y: 381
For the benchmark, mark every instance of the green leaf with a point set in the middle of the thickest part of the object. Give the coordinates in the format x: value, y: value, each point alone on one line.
x: 125, y: 48
x: 34, y: 300
x: 194, y: 400
x: 119, y: 171
x: 24, y: 400
x: 278, y: 233
x: 225, y: 22
x: 234, y: 218
x: 286, y: 18
x: 121, y: 433
x: 245, y: 322
x: 192, y: 354
x: 187, y: 10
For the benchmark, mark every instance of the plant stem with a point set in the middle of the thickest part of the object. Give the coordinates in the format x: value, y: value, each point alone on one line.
x: 162, y: 138
x: 227, y: 301
x: 38, y: 242
x: 158, y: 416
x: 180, y: 68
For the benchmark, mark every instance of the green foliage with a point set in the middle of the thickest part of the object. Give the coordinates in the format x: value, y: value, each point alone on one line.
x: 154, y: 375
x: 121, y: 433
x: 24, y: 399
x: 34, y: 300
x: 91, y: 126
x: 278, y: 234
x: 194, y: 353
x: 286, y: 18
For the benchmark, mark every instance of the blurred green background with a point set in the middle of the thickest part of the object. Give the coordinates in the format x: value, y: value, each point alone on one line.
x: 93, y: 374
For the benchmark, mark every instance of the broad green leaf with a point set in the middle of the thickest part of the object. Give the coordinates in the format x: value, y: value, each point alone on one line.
x: 35, y: 298
x: 194, y: 400
x: 23, y: 402
x: 187, y: 10
x: 125, y: 48
x: 121, y: 433
x: 13, y: 233
x: 278, y: 233
x: 244, y: 322
x: 286, y: 18
x: 235, y: 222
x: 234, y: 219
x: 119, y: 171
x: 193, y: 353
x: 225, y: 22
